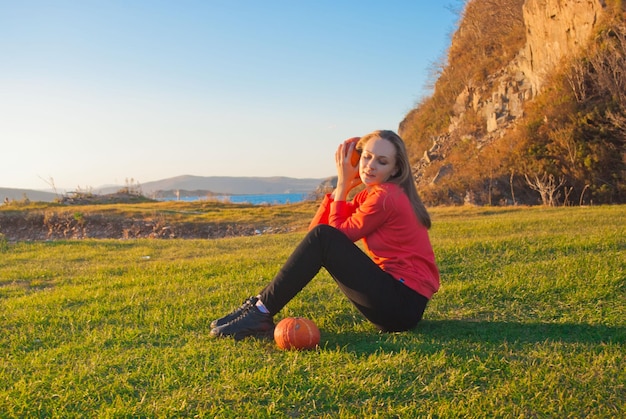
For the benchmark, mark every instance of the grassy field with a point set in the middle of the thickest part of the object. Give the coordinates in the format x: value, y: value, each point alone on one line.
x: 530, y: 322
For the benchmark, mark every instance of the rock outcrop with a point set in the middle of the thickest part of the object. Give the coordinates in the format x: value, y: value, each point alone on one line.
x: 555, y: 29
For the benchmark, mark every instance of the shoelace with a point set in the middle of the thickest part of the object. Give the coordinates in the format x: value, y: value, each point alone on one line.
x: 245, y: 308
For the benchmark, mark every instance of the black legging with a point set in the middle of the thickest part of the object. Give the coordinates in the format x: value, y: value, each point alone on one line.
x: 384, y: 301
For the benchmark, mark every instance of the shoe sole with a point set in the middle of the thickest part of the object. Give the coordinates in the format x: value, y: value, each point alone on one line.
x: 269, y: 334
x: 258, y: 335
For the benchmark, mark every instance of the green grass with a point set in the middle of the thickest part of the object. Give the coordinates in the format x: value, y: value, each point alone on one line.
x: 529, y: 322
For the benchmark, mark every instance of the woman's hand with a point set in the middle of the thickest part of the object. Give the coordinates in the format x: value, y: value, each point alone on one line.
x: 347, y: 174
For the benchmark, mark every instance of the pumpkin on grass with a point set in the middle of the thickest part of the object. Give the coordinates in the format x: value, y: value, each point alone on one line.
x: 296, y: 333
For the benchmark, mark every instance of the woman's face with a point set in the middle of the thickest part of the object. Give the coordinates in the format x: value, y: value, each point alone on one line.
x: 378, y: 162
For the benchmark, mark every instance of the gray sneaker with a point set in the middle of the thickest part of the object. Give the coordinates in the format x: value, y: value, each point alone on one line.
x: 250, y: 323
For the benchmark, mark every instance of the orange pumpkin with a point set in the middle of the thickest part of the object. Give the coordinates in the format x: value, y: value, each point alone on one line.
x: 296, y: 333
x: 355, y: 156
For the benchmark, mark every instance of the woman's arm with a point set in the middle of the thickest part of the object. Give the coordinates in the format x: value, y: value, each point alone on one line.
x: 359, y: 219
x: 321, y: 216
x: 347, y: 179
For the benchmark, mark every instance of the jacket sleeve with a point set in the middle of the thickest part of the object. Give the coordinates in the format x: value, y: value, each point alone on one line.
x: 321, y: 216
x: 359, y: 218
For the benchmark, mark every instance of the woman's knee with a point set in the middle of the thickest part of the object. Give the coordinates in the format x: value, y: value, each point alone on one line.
x: 321, y: 228
x: 325, y: 230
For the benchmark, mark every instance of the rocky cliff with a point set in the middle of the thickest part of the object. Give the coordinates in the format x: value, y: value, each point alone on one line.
x: 532, y: 95
x: 555, y: 30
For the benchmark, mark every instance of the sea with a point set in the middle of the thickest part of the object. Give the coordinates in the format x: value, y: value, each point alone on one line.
x: 255, y: 199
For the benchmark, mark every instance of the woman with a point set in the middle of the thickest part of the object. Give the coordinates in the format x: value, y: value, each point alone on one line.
x: 392, y: 285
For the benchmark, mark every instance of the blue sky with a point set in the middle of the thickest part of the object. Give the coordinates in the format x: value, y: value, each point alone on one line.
x: 96, y: 92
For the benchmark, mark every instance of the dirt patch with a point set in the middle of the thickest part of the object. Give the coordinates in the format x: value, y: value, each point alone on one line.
x: 50, y: 225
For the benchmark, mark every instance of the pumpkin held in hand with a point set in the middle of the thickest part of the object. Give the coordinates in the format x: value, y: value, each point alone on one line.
x: 356, y: 155
x: 296, y: 333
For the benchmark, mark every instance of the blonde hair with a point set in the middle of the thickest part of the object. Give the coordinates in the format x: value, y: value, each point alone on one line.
x: 403, y: 177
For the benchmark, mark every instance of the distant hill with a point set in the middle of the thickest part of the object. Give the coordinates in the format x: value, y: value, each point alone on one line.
x: 227, y: 185
x: 199, y: 185
x: 20, y: 194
